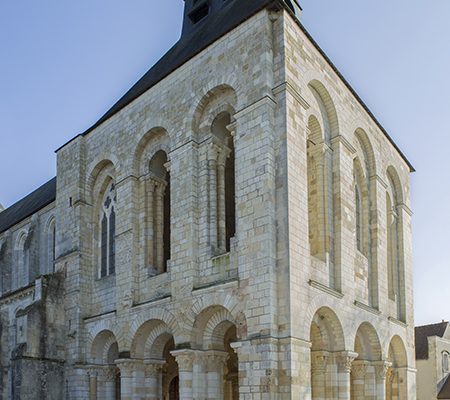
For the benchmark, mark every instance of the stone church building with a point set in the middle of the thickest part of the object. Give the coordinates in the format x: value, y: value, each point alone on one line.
x: 237, y: 226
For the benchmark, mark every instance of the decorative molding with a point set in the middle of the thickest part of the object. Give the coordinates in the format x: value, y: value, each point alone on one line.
x: 288, y: 87
x: 326, y: 289
x: 343, y: 140
x: 251, y: 107
x: 398, y: 322
x: 367, y: 307
x: 98, y: 317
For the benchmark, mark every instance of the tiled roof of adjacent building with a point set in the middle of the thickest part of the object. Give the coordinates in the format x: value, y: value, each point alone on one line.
x: 29, y: 205
x: 422, y: 335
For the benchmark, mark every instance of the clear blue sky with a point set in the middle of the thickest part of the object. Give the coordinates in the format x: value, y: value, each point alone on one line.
x: 64, y: 63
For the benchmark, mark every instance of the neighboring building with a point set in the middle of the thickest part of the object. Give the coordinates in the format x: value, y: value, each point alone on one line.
x: 238, y: 225
x: 432, y: 360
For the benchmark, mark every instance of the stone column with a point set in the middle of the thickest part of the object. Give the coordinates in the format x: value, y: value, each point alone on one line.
x: 358, y: 374
x: 149, y: 225
x: 215, y: 374
x: 185, y: 361
x: 199, y: 379
x: 381, y: 369
x: 93, y: 381
x: 212, y: 173
x: 221, y: 200
x: 139, y: 387
x: 319, y: 362
x: 159, y: 225
x: 344, y: 363
x: 153, y: 379
x: 126, y: 367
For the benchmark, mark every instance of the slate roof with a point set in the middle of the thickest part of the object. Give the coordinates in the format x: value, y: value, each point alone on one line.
x: 422, y: 333
x: 211, y: 29
x: 444, y: 393
x: 29, y: 205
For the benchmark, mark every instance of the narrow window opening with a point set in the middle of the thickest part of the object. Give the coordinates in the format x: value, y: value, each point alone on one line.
x: 108, y: 233
x: 167, y: 233
x: 230, y: 196
x: 358, y: 221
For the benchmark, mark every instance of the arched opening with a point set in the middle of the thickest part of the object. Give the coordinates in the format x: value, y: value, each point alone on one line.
x: 21, y: 272
x: 104, y: 377
x: 327, y: 342
x: 395, y: 262
x: 396, y: 378
x: 154, y: 343
x: 320, y: 204
x: 223, y: 200
x: 364, y: 382
x: 214, y: 332
x: 159, y: 213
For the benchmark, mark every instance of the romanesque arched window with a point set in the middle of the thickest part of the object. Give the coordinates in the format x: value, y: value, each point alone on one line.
x: 358, y: 218
x: 159, y: 214
x: 396, y: 278
x: 107, y: 228
x: 222, y: 191
x: 445, y: 362
x: 21, y: 272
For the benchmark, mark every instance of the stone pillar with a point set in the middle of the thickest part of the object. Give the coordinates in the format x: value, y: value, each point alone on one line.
x: 127, y: 367
x: 185, y: 361
x: 153, y: 379
x: 93, y: 381
x: 381, y: 369
x: 344, y: 363
x: 319, y: 362
x: 139, y: 387
x: 159, y: 225
x: 106, y: 383
x: 215, y: 374
x: 149, y: 216
x: 199, y: 381
x: 358, y: 375
x: 221, y: 201
x: 212, y: 173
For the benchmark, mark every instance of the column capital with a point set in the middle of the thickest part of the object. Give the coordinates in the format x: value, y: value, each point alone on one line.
x: 381, y: 368
x: 154, y: 367
x: 185, y: 359
x: 345, y: 359
x: 213, y: 151
x: 224, y: 153
x: 127, y: 366
x: 215, y: 360
x: 319, y: 361
x: 359, y: 368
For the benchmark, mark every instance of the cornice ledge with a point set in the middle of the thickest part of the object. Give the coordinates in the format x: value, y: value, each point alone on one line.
x: 326, y: 289
x: 288, y: 87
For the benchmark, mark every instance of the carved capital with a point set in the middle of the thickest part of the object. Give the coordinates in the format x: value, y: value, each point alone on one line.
x: 359, y: 369
x: 319, y: 361
x: 184, y: 358
x: 127, y: 367
x: 213, y: 152
x: 216, y: 360
x: 344, y: 360
x: 381, y: 369
x: 153, y: 368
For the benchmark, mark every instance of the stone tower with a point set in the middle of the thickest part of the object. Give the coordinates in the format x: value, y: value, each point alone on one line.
x: 236, y: 226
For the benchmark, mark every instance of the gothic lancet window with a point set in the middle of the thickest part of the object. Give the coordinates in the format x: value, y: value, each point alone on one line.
x: 108, y: 232
x: 51, y: 246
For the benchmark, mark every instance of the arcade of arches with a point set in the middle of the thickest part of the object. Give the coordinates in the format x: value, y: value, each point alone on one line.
x: 362, y: 373
x: 155, y: 369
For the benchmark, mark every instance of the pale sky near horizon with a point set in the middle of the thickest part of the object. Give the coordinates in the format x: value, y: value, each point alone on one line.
x: 64, y: 63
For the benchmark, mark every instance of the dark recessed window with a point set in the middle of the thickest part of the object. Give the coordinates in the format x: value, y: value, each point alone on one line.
x: 199, y: 13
